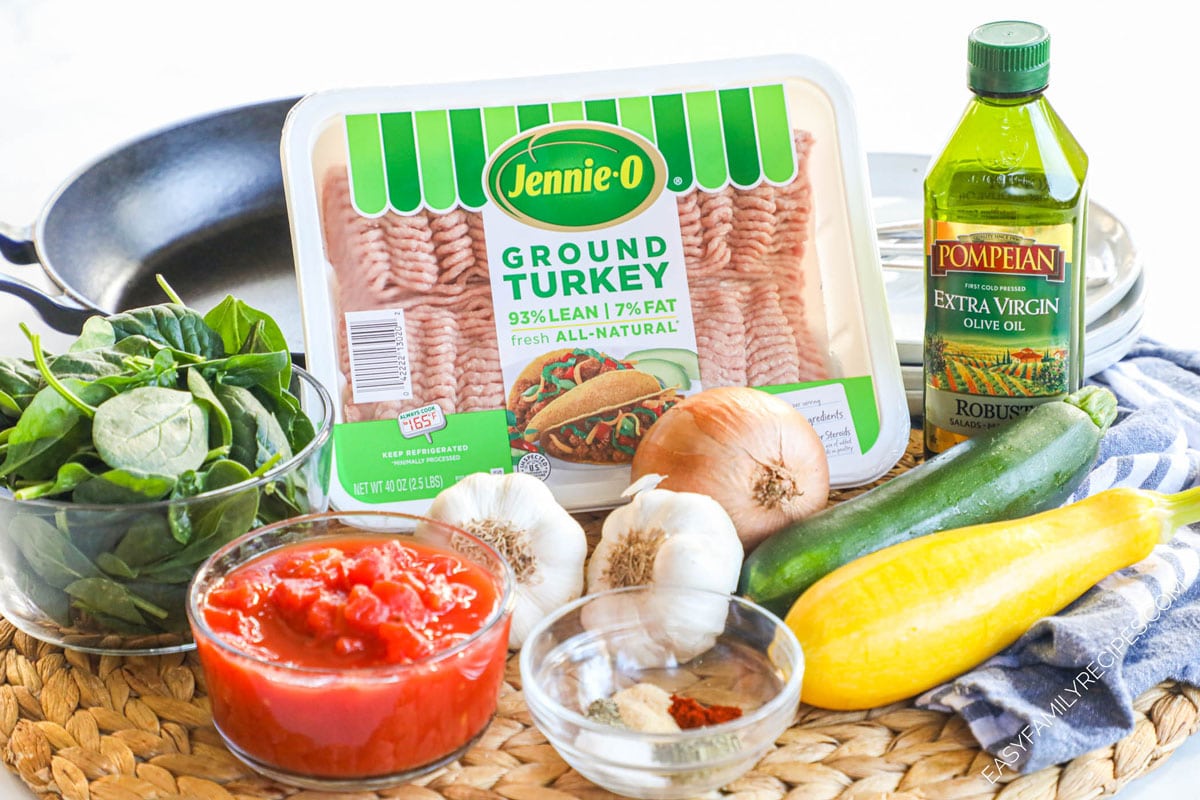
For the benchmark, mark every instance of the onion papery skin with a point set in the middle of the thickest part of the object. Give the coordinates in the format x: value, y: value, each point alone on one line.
x: 720, y: 441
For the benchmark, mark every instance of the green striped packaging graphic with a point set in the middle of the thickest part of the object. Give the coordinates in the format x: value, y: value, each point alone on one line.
x: 436, y: 159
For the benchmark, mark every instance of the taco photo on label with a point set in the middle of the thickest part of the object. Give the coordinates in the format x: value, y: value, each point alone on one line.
x: 602, y: 421
x: 552, y: 375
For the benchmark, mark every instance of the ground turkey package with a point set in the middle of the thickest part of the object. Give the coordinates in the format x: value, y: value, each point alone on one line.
x: 526, y: 275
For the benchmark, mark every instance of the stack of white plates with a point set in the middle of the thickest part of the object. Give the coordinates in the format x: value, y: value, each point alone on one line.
x: 1116, y: 286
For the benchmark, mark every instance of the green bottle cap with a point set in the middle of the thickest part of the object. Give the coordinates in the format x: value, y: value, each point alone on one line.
x: 1008, y: 57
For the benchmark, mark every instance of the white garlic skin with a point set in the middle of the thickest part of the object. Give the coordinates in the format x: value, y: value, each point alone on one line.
x: 699, y: 548
x: 691, y: 542
x: 552, y: 547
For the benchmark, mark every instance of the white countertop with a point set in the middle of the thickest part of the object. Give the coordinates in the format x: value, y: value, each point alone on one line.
x: 80, y: 78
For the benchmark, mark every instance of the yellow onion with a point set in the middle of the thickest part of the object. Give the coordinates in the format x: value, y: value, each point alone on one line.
x: 750, y: 451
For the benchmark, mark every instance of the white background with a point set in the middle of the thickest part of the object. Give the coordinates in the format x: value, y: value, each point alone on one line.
x: 78, y: 78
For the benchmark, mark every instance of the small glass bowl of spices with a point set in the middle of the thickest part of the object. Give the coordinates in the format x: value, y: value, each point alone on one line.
x: 662, y: 692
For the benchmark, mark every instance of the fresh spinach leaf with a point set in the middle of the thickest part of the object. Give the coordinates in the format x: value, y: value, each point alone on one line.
x: 257, y: 434
x: 147, y: 541
x: 188, y: 484
x: 207, y: 523
x: 141, y: 347
x: 19, y: 381
x: 49, y: 552
x: 97, y: 332
x: 159, y: 369
x: 151, y: 429
x: 112, y: 565
x: 171, y: 597
x: 180, y: 520
x: 220, y: 428
x: 245, y: 329
x: 283, y: 498
x: 225, y: 473
x: 92, y: 530
x: 111, y: 598
x: 221, y: 519
x: 9, y: 408
x: 172, y: 325
x: 295, y: 423
x: 88, y: 365
x: 180, y: 568
x: 122, y: 486
x: 69, y: 476
x: 268, y: 370
x: 51, y: 431
x: 164, y: 369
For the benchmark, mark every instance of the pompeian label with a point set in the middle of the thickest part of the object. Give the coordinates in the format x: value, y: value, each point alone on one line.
x: 998, y: 323
x: 575, y: 176
x: 997, y: 254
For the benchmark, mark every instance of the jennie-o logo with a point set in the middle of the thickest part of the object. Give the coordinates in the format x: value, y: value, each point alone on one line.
x: 575, y: 176
x: 999, y: 254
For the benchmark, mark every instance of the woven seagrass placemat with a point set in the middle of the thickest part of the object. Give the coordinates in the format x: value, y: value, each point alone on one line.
x: 80, y: 726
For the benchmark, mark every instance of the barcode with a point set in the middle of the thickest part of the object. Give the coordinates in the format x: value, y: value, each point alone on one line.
x: 378, y: 356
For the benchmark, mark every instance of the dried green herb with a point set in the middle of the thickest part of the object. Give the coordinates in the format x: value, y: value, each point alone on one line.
x: 604, y: 710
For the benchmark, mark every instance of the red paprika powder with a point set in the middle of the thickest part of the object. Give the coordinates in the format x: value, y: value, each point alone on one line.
x: 689, y: 713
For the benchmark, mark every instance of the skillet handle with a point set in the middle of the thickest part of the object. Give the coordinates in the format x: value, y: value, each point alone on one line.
x: 16, y: 245
x: 58, y: 312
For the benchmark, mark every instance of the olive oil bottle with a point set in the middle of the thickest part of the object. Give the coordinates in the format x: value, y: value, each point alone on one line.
x: 1005, y: 227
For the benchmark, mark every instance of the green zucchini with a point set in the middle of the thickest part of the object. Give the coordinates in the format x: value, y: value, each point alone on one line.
x: 1028, y: 465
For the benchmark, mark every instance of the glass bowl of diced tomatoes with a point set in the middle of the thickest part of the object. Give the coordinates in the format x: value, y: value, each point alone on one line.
x: 352, y: 650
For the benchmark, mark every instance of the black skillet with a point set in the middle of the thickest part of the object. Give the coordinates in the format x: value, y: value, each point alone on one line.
x: 201, y: 202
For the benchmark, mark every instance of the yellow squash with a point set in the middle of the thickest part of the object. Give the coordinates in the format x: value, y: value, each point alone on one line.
x: 909, y: 617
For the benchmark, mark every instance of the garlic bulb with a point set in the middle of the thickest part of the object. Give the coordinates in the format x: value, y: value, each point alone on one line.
x: 675, y: 538
x: 544, y: 545
x: 666, y: 539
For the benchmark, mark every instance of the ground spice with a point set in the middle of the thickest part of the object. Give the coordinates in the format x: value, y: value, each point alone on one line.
x: 689, y: 713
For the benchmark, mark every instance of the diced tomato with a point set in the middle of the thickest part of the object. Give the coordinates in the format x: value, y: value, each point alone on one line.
x: 224, y: 619
x: 293, y: 596
x: 447, y: 596
x: 365, y: 611
x: 403, y: 600
x: 244, y: 597
x: 364, y: 572
x: 237, y: 625
x: 325, y: 564
x: 322, y: 617
x: 403, y: 643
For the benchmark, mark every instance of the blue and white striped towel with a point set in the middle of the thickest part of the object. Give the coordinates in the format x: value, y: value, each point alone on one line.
x: 1068, y: 685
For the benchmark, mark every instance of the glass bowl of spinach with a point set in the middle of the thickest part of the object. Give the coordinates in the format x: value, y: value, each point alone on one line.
x: 161, y: 434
